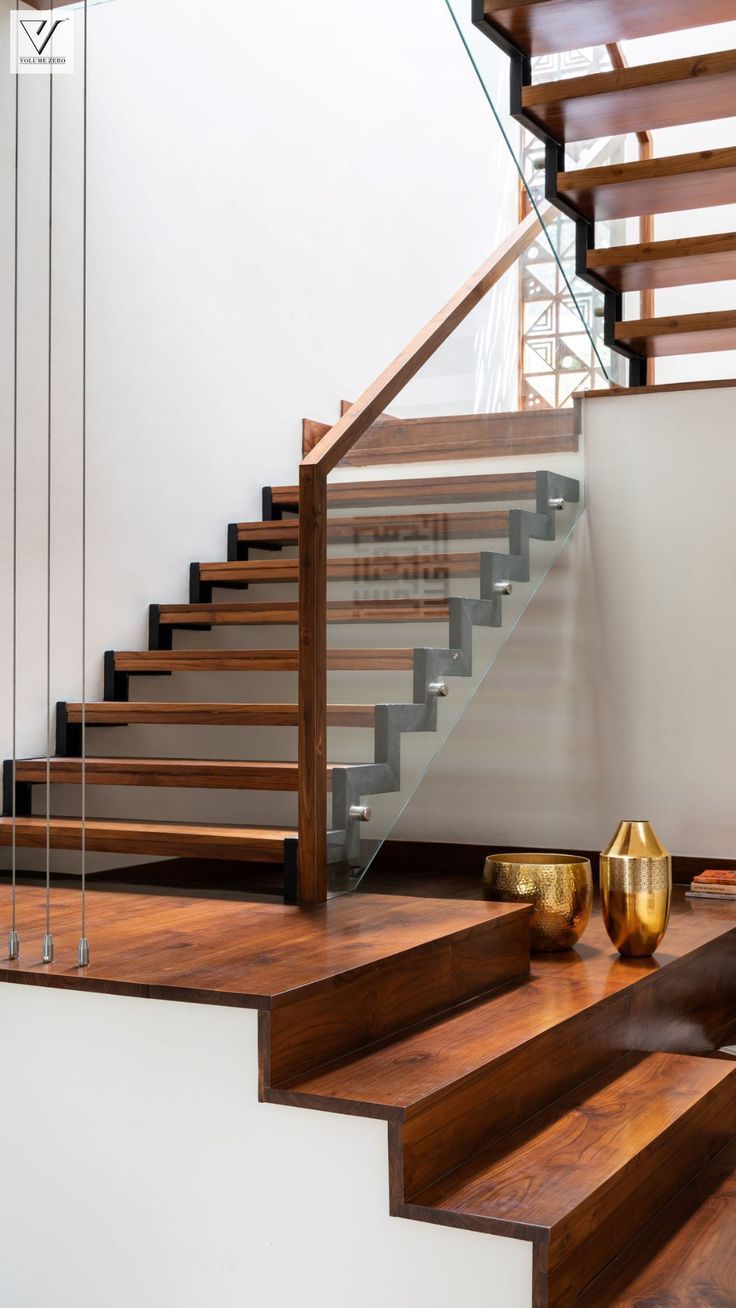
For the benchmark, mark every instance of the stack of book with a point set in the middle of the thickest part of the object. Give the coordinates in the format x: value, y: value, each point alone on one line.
x: 713, y: 884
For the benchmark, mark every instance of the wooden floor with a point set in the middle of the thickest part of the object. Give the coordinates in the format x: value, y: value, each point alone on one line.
x: 544, y: 1100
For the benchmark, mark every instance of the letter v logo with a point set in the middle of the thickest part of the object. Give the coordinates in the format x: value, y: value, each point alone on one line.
x: 45, y: 29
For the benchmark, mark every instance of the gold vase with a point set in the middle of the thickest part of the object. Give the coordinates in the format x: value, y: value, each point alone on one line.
x: 636, y: 889
x: 560, y: 886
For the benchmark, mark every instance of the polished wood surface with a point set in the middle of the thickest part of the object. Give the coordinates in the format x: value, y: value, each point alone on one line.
x: 696, y: 89
x: 687, y: 1257
x: 243, y: 954
x: 551, y: 26
x: 111, y: 713
x: 474, y: 436
x: 164, y: 839
x: 205, y: 773
x: 256, y: 660
x: 663, y: 185
x: 589, y: 1171
x: 286, y: 612
x: 685, y: 261
x: 478, y: 488
x: 690, y: 333
x: 724, y: 383
x: 399, y: 526
x: 363, y: 567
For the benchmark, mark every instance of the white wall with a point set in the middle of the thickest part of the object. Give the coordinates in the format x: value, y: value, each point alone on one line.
x: 615, y: 696
x: 187, y: 1191
x: 278, y: 201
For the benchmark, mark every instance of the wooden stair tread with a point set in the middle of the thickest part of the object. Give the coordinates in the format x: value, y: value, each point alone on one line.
x: 690, y: 333
x: 401, y: 526
x: 687, y: 1256
x: 551, y: 26
x: 257, y: 660
x: 685, y: 261
x: 420, y: 1064
x: 463, y: 436
x: 171, y: 839
x: 218, y: 773
x: 604, y: 1157
x: 111, y: 713
x: 651, y: 186
x: 364, y: 567
x: 696, y: 89
x: 418, y: 490
x: 286, y: 612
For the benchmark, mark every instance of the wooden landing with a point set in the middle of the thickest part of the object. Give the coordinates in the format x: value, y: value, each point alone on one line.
x: 249, y: 954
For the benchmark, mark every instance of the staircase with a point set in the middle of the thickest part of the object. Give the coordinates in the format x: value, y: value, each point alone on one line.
x: 696, y: 89
x: 468, y: 539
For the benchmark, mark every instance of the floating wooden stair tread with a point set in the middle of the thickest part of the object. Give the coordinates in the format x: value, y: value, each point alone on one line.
x: 650, y: 186
x: 257, y: 660
x: 551, y: 26
x: 464, y: 436
x: 690, y: 333
x: 286, y: 613
x: 692, y: 90
x: 168, y: 839
x: 398, y: 526
x: 602, y: 1158
x: 206, y: 773
x: 418, y: 490
x: 111, y: 714
x: 362, y: 567
x: 687, y: 1256
x: 685, y: 261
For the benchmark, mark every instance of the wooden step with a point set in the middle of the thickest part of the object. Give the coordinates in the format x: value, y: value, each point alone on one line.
x: 397, y: 526
x: 112, y: 714
x: 685, y: 261
x: 286, y: 613
x: 216, y: 774
x: 165, y: 839
x: 471, y: 436
x: 696, y: 89
x: 687, y: 1256
x: 145, y: 662
x: 404, y: 567
x: 690, y: 333
x: 417, y: 490
x: 583, y: 1176
x: 649, y: 186
x: 551, y: 26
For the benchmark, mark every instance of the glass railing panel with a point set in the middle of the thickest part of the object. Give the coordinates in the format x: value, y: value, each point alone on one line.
x: 443, y: 520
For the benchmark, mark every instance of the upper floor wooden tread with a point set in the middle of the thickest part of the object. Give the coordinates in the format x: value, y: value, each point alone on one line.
x: 473, y: 488
x: 164, y: 839
x: 551, y: 26
x: 650, y: 186
x: 110, y: 713
x: 689, y: 333
x: 286, y: 612
x: 687, y: 1256
x: 470, y: 436
x: 421, y: 1064
x: 695, y: 89
x: 258, y: 660
x: 222, y: 774
x: 684, y: 261
x: 365, y: 567
x: 566, y: 1158
x: 243, y: 954
x: 396, y: 526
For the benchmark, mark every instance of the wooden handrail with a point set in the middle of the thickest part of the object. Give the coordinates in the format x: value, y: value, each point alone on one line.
x: 313, y: 473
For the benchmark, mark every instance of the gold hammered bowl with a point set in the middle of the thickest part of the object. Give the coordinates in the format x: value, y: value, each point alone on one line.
x: 560, y: 887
